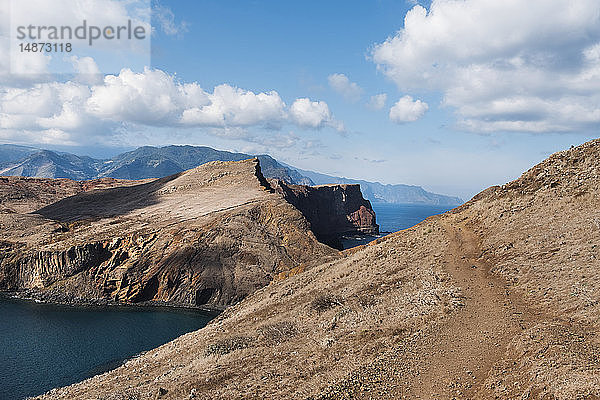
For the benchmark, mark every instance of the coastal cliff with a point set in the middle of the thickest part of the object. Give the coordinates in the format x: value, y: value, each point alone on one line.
x: 332, y: 210
x: 497, y: 299
x: 206, y: 237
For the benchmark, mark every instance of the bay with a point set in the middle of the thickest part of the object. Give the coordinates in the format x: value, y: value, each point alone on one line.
x: 43, y: 346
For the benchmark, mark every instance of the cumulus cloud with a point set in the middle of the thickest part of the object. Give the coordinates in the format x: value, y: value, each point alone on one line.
x: 503, y: 65
x: 151, y: 98
x: 407, y: 110
x: 85, y: 65
x: 87, y: 70
x: 377, y: 102
x: 342, y: 85
x: 313, y: 114
x: 236, y: 107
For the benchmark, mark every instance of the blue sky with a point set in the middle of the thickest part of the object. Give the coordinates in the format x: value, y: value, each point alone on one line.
x: 473, y: 98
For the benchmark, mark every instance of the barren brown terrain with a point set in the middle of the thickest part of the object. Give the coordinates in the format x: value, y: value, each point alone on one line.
x: 204, y: 237
x: 24, y: 195
x: 498, y: 299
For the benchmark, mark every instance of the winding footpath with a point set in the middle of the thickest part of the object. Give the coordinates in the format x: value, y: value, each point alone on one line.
x: 451, y: 359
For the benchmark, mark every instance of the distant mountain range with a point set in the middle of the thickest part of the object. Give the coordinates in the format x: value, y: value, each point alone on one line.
x: 144, y: 162
x: 379, y: 193
x: 155, y: 162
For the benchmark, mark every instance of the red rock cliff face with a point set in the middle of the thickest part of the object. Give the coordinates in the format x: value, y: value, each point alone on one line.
x: 331, y: 210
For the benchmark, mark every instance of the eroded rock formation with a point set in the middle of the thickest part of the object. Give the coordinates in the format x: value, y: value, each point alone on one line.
x: 498, y: 299
x: 331, y: 210
x: 208, y: 236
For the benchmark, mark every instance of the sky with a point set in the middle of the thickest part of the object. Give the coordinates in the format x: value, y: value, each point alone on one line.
x: 451, y: 95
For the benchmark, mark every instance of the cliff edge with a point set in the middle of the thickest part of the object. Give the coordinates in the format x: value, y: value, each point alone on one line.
x: 206, y: 237
x: 498, y: 299
x: 332, y: 210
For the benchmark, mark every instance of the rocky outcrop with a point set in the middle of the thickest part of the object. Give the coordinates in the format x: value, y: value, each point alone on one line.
x: 498, y: 299
x: 205, y: 237
x: 332, y: 210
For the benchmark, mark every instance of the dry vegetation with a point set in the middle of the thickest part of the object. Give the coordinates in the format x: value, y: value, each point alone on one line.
x: 496, y: 300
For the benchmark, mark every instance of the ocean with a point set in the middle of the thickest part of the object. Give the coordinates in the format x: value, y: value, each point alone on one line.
x: 393, y: 218
x: 43, y: 346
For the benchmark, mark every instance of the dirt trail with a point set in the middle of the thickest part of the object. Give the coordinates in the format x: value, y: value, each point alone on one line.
x: 452, y: 359
x: 462, y: 350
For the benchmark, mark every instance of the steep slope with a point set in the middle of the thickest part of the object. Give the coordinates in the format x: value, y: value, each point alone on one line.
x: 207, y: 237
x: 24, y: 195
x: 380, y: 193
x: 498, y: 299
x: 13, y: 152
x: 332, y: 210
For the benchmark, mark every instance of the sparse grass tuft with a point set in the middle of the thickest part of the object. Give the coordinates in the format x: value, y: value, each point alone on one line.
x: 327, y: 301
x: 228, y: 345
x: 278, y: 332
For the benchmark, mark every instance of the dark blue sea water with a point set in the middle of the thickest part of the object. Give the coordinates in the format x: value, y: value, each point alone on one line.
x: 395, y: 217
x: 43, y: 346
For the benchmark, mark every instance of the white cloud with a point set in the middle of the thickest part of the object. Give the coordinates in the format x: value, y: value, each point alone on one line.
x: 22, y: 67
x: 236, y: 107
x: 164, y: 17
x: 377, y: 102
x: 87, y: 70
x: 503, y: 65
x: 313, y: 114
x: 342, y: 85
x: 407, y: 110
x: 152, y: 98
x: 85, y: 65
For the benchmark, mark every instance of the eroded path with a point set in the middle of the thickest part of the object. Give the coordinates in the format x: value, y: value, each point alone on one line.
x: 461, y: 351
x: 451, y: 359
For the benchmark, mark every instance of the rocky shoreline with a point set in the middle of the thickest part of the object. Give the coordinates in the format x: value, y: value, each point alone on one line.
x: 66, y: 299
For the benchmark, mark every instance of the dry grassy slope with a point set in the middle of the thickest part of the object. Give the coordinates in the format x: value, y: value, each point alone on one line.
x: 498, y: 300
x: 541, y: 233
x: 22, y: 195
x: 208, y: 236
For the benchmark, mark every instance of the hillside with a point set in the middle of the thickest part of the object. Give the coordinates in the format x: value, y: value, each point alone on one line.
x: 11, y: 152
x: 206, y: 237
x: 498, y: 299
x: 48, y: 164
x: 24, y: 195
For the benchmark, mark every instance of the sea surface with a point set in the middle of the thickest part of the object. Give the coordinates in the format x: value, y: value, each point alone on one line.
x: 43, y: 346
x: 395, y: 217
